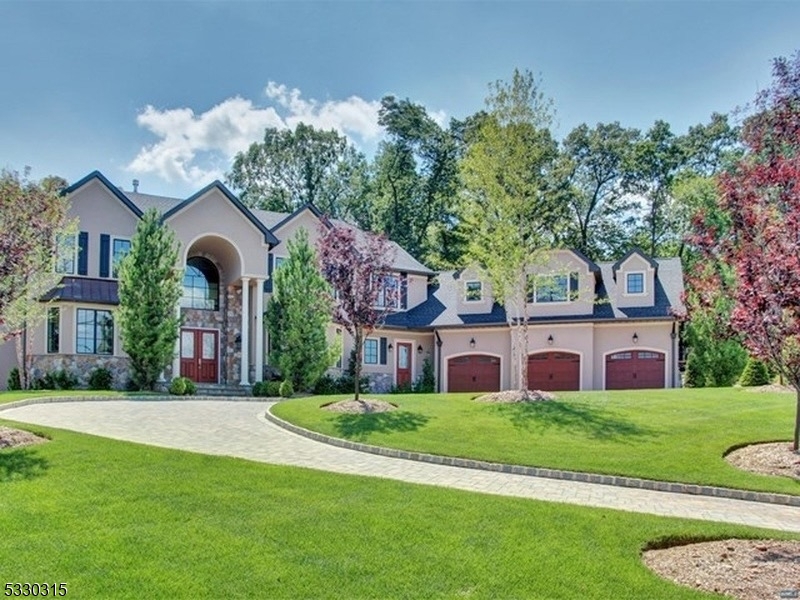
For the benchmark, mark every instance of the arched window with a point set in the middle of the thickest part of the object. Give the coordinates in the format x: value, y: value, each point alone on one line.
x: 200, y: 284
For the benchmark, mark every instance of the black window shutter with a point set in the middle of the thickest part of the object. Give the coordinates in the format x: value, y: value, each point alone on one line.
x: 403, y: 291
x: 383, y: 351
x: 268, y: 282
x: 83, y: 253
x: 105, y: 250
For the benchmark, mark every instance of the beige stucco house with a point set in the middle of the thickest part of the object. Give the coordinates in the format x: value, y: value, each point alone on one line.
x: 592, y: 325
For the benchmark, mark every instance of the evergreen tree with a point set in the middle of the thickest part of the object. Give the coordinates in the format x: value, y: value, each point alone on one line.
x: 298, y: 315
x: 149, y: 289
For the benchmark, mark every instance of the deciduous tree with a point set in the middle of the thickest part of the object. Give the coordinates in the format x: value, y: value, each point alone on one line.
x: 298, y: 315
x: 357, y: 266
x: 510, y: 212
x: 150, y: 285
x: 291, y: 168
x: 762, y: 197
x: 33, y: 222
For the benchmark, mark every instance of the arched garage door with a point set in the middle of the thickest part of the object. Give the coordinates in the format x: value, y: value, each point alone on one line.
x: 554, y: 371
x: 635, y: 369
x: 473, y: 373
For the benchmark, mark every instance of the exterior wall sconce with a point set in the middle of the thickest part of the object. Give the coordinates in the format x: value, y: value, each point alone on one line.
x: 472, y: 343
x: 237, y: 343
x: 550, y: 340
x: 390, y: 347
x: 419, y: 349
x: 635, y: 338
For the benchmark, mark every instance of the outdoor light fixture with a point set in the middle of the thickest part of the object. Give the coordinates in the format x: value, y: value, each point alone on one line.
x: 472, y: 343
x: 550, y: 339
x: 389, y: 347
x: 635, y: 338
x: 419, y: 349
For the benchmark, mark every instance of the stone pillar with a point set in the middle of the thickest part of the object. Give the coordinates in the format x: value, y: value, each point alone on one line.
x: 259, y: 329
x: 244, y: 367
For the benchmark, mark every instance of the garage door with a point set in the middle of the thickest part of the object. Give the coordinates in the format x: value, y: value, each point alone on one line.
x: 635, y: 369
x: 554, y: 371
x: 473, y: 373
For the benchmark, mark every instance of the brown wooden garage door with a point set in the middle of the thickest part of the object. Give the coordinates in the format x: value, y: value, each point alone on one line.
x: 473, y: 373
x: 635, y: 369
x: 554, y: 371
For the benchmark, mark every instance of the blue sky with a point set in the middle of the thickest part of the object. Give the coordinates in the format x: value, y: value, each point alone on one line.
x: 167, y: 92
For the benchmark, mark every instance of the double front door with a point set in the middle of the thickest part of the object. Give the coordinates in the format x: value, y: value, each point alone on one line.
x: 200, y: 355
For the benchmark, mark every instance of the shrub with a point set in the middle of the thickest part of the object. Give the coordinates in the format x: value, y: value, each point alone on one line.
x: 755, y: 373
x: 286, y: 389
x: 56, y: 380
x: 191, y: 387
x: 259, y: 389
x: 403, y: 388
x: 426, y: 384
x: 273, y: 389
x: 100, y: 379
x: 13, y: 380
x: 325, y: 386
x: 177, y: 386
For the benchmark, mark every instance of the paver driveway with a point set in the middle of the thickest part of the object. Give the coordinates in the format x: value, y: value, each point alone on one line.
x: 239, y: 429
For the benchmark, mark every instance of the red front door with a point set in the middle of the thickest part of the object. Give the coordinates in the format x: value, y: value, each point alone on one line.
x: 199, y: 352
x: 403, y: 364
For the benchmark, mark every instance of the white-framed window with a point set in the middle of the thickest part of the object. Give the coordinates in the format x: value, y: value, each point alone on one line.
x: 560, y: 288
x: 66, y: 254
x: 94, y: 331
x: 370, y: 351
x: 119, y: 248
x: 340, y: 342
x: 473, y: 291
x: 389, y: 292
x: 634, y: 283
x: 277, y: 262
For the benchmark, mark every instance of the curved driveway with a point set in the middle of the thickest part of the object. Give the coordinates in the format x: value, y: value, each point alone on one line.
x: 239, y: 429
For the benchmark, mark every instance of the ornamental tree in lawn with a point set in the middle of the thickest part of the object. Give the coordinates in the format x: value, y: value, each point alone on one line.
x: 34, y: 230
x: 298, y: 315
x: 150, y: 285
x: 762, y: 196
x: 357, y: 266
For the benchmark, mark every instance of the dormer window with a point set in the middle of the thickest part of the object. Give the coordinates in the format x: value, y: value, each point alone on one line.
x: 389, y: 292
x: 553, y: 288
x: 634, y: 283
x: 473, y: 291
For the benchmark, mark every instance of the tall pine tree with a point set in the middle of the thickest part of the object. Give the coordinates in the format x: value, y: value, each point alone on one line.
x: 298, y: 316
x: 150, y: 285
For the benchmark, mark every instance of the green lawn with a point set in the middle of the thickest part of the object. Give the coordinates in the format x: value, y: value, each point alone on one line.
x: 120, y: 520
x: 673, y: 435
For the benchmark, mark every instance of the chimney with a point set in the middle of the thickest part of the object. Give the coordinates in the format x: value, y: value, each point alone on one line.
x: 135, y: 186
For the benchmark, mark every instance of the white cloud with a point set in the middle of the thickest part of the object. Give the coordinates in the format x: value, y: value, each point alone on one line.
x: 197, y: 148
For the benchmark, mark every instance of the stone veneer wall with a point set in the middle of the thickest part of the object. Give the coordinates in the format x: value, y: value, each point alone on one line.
x: 231, y: 357
x: 81, y: 365
x: 381, y: 383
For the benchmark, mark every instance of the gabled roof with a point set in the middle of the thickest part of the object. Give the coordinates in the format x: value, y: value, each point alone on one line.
x: 269, y: 238
x: 653, y: 264
x: 308, y: 206
x: 589, y: 262
x: 111, y: 187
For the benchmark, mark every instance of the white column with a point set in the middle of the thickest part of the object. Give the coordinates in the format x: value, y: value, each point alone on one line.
x: 176, y: 356
x: 259, y: 329
x: 245, y: 355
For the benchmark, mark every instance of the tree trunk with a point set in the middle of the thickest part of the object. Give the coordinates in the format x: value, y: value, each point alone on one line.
x: 357, y: 338
x: 796, y: 423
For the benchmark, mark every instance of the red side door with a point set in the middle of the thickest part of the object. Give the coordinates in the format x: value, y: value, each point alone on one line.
x: 200, y: 355
x: 403, y: 364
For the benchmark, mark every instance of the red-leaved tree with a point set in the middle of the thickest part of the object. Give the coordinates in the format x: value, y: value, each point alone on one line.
x: 357, y: 265
x: 762, y: 197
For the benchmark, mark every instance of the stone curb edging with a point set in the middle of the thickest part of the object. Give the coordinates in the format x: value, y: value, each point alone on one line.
x: 614, y: 480
x: 147, y: 398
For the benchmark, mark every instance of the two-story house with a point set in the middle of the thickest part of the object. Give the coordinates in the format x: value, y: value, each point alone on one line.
x: 592, y: 326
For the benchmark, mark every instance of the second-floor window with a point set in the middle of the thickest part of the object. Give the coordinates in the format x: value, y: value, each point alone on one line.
x: 389, y: 292
x: 119, y: 248
x: 473, y: 291
x: 543, y: 289
x: 634, y: 283
x: 200, y: 284
x: 66, y: 254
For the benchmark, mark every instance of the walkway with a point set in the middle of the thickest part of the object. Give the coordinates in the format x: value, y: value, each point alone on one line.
x: 239, y: 429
